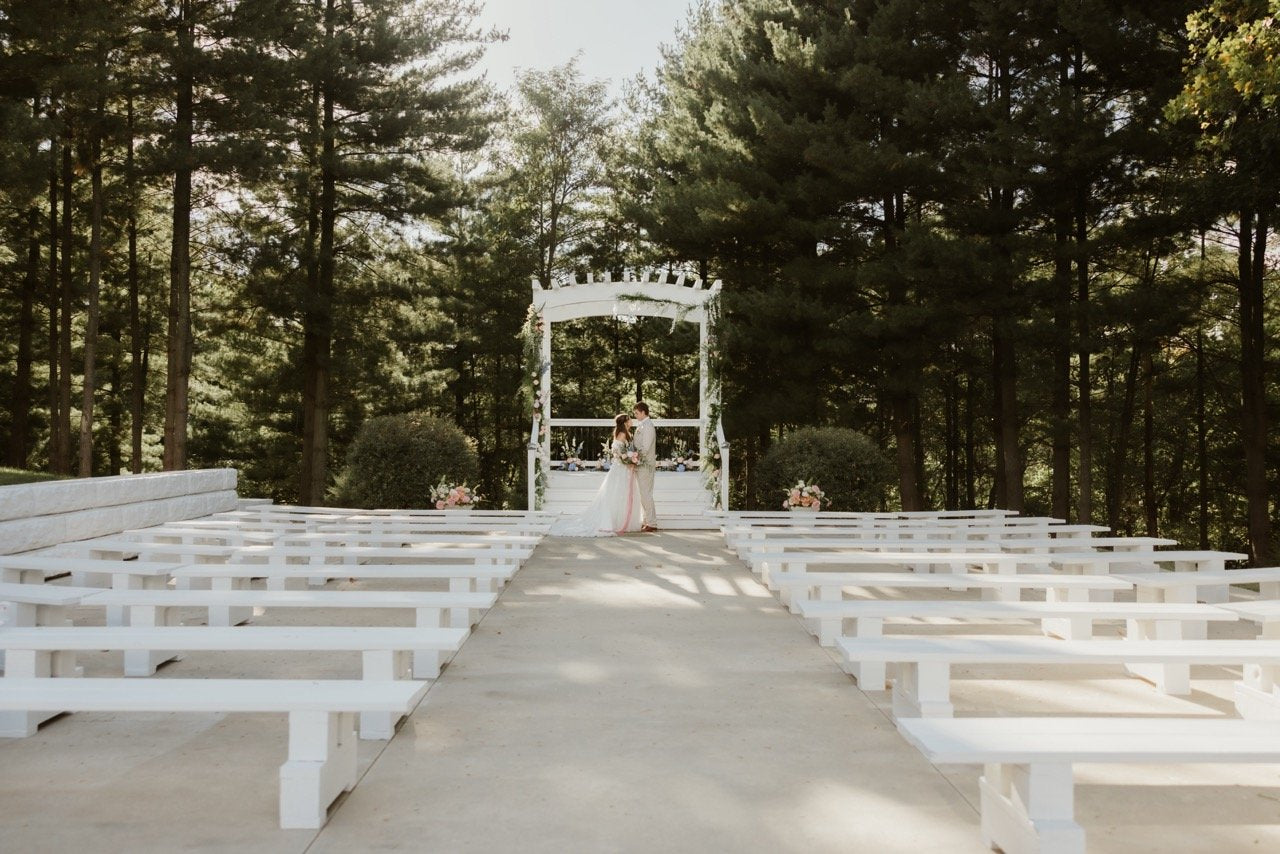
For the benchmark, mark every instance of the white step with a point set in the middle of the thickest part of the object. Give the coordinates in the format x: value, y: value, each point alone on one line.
x: 680, y: 497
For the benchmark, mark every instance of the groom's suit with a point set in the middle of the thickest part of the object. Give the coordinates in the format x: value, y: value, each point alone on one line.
x: 646, y: 442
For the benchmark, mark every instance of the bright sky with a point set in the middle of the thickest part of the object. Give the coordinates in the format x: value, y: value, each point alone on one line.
x: 617, y: 38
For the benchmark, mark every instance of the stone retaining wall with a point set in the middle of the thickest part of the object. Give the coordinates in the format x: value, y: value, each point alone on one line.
x: 37, y: 515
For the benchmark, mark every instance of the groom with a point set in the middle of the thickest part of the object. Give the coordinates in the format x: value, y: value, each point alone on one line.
x: 646, y: 442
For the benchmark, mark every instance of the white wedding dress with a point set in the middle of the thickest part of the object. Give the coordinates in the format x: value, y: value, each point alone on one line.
x: 615, y: 508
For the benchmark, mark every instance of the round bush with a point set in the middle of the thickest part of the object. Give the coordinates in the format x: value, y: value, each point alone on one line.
x: 395, y: 460
x: 848, y: 466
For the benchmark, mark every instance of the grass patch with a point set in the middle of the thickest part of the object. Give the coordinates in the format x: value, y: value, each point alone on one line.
x: 8, y: 476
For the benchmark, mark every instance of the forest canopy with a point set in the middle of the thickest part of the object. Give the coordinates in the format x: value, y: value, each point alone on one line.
x: 1026, y: 248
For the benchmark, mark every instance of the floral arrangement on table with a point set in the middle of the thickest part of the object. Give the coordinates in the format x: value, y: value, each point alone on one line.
x: 450, y: 497
x: 804, y: 496
x: 572, y: 463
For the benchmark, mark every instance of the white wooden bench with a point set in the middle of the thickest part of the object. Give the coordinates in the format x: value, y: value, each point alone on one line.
x: 116, y: 574
x: 1144, y: 560
x: 922, y: 687
x: 957, y: 562
x: 736, y: 534
x: 347, y: 539
x: 794, y: 587
x: 319, y: 555
x: 41, y: 604
x: 392, y: 525
x: 321, y: 762
x: 462, y: 578
x: 1070, y: 620
x: 386, y: 651
x: 202, y: 535
x: 1203, y: 585
x: 151, y: 608
x: 123, y: 547
x: 750, y: 549
x: 1117, y: 544
x: 1258, y: 694
x: 868, y: 615
x: 1027, y: 788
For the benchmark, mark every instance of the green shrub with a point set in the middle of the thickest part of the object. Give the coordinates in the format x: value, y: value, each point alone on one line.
x: 851, y: 470
x: 395, y: 460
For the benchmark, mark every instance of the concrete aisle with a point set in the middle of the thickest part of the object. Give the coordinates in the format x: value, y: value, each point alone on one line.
x: 647, y: 694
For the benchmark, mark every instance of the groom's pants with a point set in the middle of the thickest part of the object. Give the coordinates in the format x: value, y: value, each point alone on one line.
x: 644, y: 477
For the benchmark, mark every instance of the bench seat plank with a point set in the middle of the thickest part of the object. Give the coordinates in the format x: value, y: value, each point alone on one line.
x: 322, y: 759
x: 923, y: 684
x: 1027, y: 787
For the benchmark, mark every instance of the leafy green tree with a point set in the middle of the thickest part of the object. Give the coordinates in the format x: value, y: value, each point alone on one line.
x: 1230, y: 90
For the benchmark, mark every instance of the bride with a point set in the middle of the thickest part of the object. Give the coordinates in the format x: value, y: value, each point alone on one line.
x: 616, y: 506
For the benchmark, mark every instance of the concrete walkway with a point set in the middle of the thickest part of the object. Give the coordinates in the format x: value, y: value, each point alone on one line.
x: 646, y: 694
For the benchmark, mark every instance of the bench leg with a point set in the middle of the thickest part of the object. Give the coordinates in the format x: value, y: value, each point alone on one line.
x: 1168, y: 678
x: 382, y: 665
x: 321, y: 766
x: 460, y: 617
x: 922, y: 690
x: 426, y: 662
x: 1030, y: 808
x: 829, y: 628
x: 870, y: 675
x: 26, y: 664
x: 1257, y: 697
x: 1069, y: 628
x: 143, y: 662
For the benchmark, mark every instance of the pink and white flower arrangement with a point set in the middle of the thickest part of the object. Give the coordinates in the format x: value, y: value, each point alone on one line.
x: 808, y: 495
x: 450, y: 497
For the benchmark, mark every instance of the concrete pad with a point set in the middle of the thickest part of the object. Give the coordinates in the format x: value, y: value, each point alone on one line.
x: 647, y: 694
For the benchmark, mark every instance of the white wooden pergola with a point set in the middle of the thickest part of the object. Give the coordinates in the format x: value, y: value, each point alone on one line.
x: 644, y: 293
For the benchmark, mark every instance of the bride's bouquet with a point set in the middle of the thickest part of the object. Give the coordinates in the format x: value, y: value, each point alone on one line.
x: 448, y: 497
x: 630, y: 457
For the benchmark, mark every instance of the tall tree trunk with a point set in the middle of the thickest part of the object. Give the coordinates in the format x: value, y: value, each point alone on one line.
x: 1084, y: 509
x: 951, y: 468
x: 92, y: 313
x: 20, y: 400
x: 1060, y: 406
x: 1251, y: 256
x: 137, y: 382
x: 970, y: 446
x: 179, y: 343
x: 318, y: 318
x: 115, y: 406
x: 52, y: 302
x: 1009, y: 493
x: 1202, y: 445
x: 900, y: 406
x: 1120, y: 452
x: 68, y: 299
x: 902, y: 381
x: 1150, y: 510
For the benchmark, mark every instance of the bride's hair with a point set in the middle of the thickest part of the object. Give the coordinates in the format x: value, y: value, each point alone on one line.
x: 620, y: 426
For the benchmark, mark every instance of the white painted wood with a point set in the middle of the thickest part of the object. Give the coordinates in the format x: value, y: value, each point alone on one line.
x: 154, y: 607
x: 1027, y: 786
x: 44, y: 594
x: 387, y: 652
x: 831, y: 614
x: 912, y: 654
x: 322, y: 748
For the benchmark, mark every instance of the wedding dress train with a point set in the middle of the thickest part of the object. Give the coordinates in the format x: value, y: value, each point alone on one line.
x: 615, y: 508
